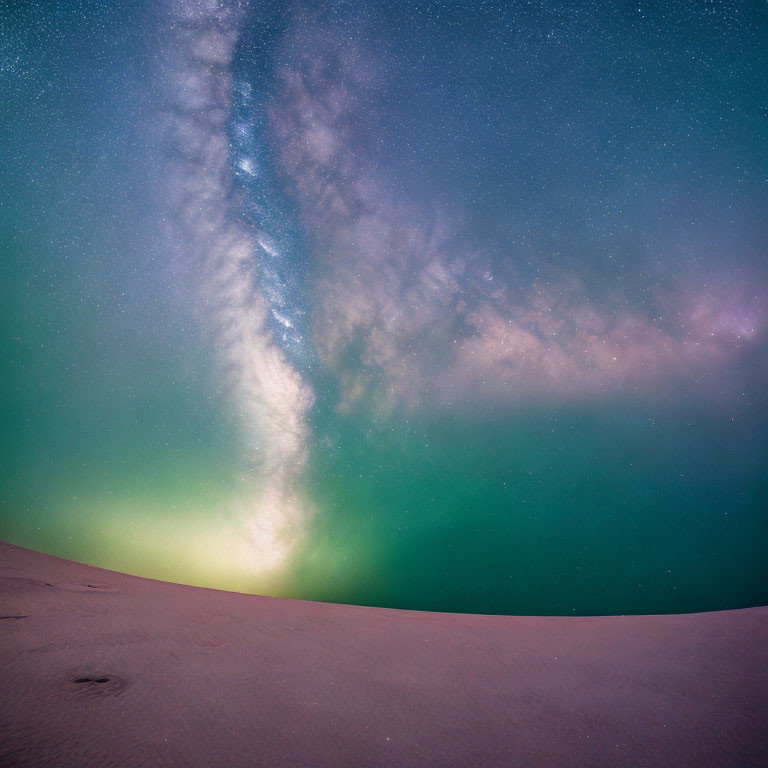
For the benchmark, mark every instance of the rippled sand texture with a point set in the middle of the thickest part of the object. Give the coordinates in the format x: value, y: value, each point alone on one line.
x: 102, y: 669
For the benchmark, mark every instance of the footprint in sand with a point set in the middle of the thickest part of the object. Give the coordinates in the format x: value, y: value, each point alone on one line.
x: 99, y: 684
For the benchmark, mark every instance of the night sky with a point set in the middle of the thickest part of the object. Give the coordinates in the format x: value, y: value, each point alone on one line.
x: 454, y: 306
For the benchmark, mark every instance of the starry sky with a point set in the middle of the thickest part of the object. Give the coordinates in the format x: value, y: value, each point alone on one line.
x: 443, y: 305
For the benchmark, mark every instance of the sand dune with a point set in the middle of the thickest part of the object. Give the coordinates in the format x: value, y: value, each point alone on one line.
x: 104, y: 669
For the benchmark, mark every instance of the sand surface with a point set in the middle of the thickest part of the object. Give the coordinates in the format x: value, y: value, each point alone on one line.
x: 103, y: 669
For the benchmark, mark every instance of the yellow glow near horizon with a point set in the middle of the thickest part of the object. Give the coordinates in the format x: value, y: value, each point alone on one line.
x: 206, y: 549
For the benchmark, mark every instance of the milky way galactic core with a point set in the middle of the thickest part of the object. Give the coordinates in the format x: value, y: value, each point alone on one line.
x: 442, y: 305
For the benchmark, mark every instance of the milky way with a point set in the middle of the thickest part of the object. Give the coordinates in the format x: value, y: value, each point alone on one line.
x: 428, y: 315
x: 432, y: 305
x: 238, y: 285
